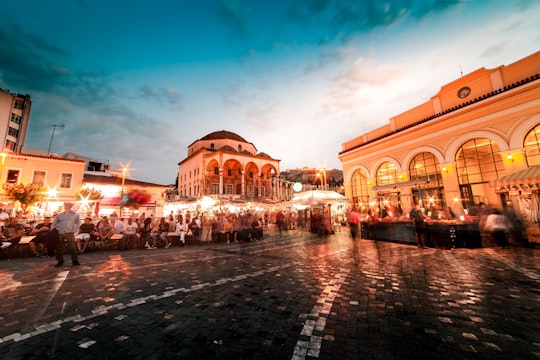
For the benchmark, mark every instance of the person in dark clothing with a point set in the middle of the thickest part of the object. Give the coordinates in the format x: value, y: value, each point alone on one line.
x: 419, y: 218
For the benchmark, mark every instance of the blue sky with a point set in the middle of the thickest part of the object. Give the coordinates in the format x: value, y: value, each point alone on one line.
x: 136, y: 82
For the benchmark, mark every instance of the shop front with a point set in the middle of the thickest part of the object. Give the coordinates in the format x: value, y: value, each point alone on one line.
x: 521, y: 199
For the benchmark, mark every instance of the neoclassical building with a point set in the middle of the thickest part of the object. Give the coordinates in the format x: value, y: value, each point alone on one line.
x: 454, y: 150
x: 224, y: 165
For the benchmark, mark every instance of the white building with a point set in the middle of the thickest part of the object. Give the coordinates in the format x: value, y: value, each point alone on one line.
x: 14, y: 114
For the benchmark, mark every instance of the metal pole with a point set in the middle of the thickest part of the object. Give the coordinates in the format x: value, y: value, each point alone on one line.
x: 54, y: 126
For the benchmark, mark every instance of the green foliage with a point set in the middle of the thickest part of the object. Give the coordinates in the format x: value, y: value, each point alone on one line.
x: 27, y: 195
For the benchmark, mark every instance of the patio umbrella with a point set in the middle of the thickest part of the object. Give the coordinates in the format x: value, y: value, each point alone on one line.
x: 314, y: 197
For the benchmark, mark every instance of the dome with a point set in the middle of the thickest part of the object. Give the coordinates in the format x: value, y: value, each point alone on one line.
x: 227, y: 148
x: 264, y: 155
x: 223, y: 134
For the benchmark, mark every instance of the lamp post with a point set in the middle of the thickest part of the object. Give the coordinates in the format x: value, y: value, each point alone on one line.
x: 124, y: 170
x: 322, y: 173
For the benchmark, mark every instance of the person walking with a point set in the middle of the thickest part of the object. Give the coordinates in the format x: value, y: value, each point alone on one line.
x: 417, y: 215
x: 353, y: 220
x: 498, y: 225
x: 67, y: 223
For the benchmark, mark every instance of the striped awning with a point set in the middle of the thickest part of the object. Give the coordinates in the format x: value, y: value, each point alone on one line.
x: 526, y: 179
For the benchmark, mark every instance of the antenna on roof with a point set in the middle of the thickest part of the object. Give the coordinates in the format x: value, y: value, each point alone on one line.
x: 461, y: 70
x: 54, y: 126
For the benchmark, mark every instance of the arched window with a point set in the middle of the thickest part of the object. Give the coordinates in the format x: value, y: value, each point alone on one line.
x: 478, y: 161
x: 387, y: 173
x: 212, y: 146
x: 425, y: 166
x: 359, y: 186
x: 531, y: 144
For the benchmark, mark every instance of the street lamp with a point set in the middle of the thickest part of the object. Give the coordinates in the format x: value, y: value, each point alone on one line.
x: 322, y: 173
x: 124, y: 170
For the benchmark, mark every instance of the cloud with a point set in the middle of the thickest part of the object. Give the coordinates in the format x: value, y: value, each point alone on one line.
x: 368, y: 71
x: 173, y: 96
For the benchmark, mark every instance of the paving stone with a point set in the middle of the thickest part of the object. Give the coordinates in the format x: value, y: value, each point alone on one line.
x: 295, y: 296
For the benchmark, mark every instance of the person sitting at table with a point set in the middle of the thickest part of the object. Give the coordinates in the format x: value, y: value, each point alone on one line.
x: 105, y: 230
x: 13, y: 232
x: 129, y: 239
x: 87, y: 230
x: 42, y: 236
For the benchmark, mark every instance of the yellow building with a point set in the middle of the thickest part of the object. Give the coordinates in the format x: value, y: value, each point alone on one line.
x: 225, y: 166
x: 60, y: 177
x: 451, y: 150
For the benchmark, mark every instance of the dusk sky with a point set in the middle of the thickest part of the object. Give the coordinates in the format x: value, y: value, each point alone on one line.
x: 136, y: 82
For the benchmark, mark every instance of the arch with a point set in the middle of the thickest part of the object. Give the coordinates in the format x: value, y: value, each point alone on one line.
x: 387, y: 173
x: 521, y: 129
x: 348, y: 175
x: 429, y: 149
x: 454, y: 145
x: 382, y: 160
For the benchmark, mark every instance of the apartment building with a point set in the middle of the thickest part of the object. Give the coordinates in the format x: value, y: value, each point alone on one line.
x: 14, y: 115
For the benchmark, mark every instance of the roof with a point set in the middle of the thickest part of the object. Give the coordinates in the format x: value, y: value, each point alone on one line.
x: 223, y: 134
x: 115, y: 180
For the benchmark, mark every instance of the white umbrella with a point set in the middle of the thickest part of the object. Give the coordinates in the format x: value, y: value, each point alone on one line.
x: 319, y: 197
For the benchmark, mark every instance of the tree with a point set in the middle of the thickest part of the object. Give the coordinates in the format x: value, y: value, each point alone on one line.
x: 27, y: 195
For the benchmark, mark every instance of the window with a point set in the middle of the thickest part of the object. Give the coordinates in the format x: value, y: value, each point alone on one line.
x: 16, y: 118
x: 532, y: 146
x: 478, y: 161
x: 12, y: 176
x: 216, y: 170
x: 263, y: 191
x: 11, y: 145
x: 386, y: 174
x: 215, y: 188
x: 228, y: 189
x: 39, y: 178
x: 18, y: 104
x: 229, y: 172
x: 13, y: 132
x: 212, y: 146
x: 65, y: 181
x: 360, y: 191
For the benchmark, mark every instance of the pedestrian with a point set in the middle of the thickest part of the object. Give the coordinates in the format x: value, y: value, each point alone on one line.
x: 498, y: 225
x: 417, y: 215
x: 353, y: 218
x: 67, y: 223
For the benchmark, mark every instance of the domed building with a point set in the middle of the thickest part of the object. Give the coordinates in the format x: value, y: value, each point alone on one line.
x: 224, y: 165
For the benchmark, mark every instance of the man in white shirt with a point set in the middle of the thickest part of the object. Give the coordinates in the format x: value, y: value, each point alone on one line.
x: 130, y: 234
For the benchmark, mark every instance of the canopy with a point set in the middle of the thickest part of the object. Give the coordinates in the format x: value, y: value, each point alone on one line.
x: 526, y: 179
x: 400, y: 184
x: 314, y: 197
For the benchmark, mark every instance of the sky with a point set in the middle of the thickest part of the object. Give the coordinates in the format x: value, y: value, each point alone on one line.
x: 136, y: 82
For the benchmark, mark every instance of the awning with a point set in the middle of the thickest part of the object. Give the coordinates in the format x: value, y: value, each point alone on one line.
x: 400, y: 184
x: 526, y: 179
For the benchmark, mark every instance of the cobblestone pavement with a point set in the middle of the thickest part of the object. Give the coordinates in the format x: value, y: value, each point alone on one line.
x: 296, y: 296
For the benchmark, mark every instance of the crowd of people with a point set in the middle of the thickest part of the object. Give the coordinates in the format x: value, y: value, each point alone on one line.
x: 51, y: 236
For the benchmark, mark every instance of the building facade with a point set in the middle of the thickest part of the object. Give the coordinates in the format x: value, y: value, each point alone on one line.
x: 315, y: 178
x: 60, y: 177
x: 14, y: 114
x: 225, y: 166
x: 449, y: 151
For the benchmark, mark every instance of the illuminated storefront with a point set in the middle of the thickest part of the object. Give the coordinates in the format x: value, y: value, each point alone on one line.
x: 448, y: 152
